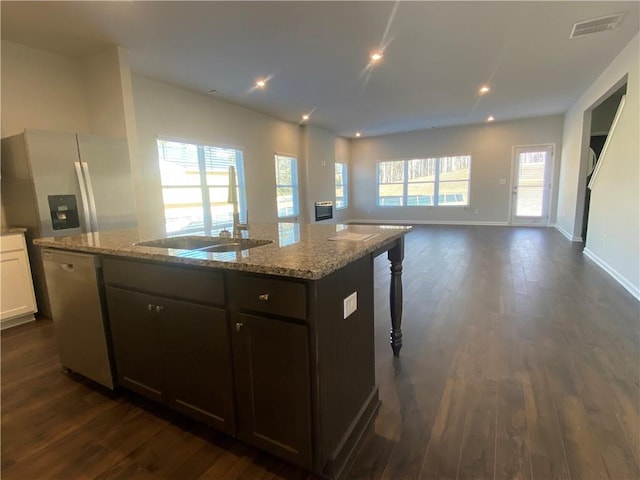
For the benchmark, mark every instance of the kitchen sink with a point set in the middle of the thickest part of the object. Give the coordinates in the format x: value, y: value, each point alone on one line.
x: 205, y: 244
x: 235, y: 244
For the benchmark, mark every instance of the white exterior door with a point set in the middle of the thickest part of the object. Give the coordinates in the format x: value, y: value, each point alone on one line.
x: 531, y: 185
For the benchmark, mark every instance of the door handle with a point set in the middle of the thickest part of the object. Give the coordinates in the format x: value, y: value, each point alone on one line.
x: 239, y: 325
x: 83, y: 195
x: 91, y: 197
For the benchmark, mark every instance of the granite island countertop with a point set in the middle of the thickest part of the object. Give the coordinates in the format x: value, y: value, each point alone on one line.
x: 304, y: 251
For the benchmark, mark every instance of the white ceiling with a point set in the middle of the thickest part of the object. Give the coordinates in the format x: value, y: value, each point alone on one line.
x: 437, y: 54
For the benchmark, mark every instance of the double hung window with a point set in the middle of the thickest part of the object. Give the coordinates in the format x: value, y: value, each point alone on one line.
x: 195, y: 186
x: 342, y: 197
x: 287, y: 186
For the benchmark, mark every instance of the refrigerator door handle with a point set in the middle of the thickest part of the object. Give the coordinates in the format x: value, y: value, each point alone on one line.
x: 83, y: 194
x: 92, y: 201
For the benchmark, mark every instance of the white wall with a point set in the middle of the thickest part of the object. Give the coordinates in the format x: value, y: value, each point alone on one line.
x: 319, y: 153
x: 41, y: 90
x: 164, y: 110
x: 491, y: 148
x: 613, y: 238
x: 104, y: 93
x: 342, y: 150
x: 321, y: 150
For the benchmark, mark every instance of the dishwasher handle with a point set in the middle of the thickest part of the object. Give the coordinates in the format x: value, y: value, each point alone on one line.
x: 70, y: 261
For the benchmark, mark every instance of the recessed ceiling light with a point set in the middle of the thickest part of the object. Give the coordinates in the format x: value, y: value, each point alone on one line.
x: 484, y: 89
x: 305, y: 117
x: 357, y: 134
x: 261, y: 83
x: 376, y: 56
x: 490, y: 118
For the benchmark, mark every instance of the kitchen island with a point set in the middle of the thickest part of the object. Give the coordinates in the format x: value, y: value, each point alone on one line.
x: 272, y: 344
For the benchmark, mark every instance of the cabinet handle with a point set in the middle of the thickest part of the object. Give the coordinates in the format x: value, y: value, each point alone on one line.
x: 159, y: 308
x: 150, y: 307
x: 239, y: 325
x: 264, y: 297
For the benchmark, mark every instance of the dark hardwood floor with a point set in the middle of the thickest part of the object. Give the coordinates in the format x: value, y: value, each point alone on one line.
x: 521, y: 359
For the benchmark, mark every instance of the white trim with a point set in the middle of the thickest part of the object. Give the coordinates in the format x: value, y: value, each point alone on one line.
x: 427, y: 222
x: 606, y: 143
x: 551, y: 178
x: 15, y: 321
x: 628, y: 286
x: 193, y: 141
x: 280, y: 154
x: 569, y: 237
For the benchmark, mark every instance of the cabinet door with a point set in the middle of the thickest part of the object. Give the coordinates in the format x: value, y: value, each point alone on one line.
x: 16, y: 297
x: 198, y: 359
x: 138, y: 341
x: 271, y: 364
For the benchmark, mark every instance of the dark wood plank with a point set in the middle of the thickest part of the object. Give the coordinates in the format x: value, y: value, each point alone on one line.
x: 519, y: 359
x: 548, y: 457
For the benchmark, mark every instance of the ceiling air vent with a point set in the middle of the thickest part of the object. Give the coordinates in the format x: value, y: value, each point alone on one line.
x: 596, y: 25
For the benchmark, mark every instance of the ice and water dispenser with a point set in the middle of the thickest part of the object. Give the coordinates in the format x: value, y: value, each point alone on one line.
x: 64, y: 212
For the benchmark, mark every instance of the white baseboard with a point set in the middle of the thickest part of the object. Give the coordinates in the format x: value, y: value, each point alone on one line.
x: 15, y: 321
x: 632, y: 289
x: 426, y: 222
x: 570, y: 237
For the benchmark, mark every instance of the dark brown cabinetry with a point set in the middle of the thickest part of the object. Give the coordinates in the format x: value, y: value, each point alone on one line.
x: 270, y: 343
x: 171, y: 350
x: 138, y: 341
x: 270, y: 360
x: 198, y: 368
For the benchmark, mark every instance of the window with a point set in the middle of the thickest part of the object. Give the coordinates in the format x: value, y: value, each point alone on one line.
x: 195, y: 186
x: 287, y: 186
x: 424, y: 181
x: 342, y: 198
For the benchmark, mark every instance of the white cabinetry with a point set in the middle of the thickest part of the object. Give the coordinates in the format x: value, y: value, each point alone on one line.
x: 17, y: 300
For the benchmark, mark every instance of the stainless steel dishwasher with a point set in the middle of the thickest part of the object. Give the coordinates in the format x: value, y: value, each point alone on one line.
x: 79, y: 315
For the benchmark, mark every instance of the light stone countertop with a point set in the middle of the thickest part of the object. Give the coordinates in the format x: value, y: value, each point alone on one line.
x: 298, y: 250
x: 12, y: 230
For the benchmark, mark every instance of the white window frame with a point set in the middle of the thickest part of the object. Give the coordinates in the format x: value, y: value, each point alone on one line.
x: 208, y: 224
x: 436, y: 183
x: 293, y: 186
x: 345, y: 182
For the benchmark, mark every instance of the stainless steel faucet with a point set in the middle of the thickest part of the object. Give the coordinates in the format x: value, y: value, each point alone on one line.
x: 233, y: 200
x: 239, y: 227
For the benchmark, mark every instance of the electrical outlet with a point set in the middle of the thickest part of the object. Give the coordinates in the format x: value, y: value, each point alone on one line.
x: 476, y: 211
x: 503, y: 181
x: 350, y: 304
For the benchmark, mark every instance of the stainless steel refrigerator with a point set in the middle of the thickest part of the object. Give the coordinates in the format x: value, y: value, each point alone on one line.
x: 56, y: 183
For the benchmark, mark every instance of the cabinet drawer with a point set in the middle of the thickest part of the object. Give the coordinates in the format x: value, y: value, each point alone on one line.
x: 12, y: 242
x: 188, y: 284
x: 267, y: 295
